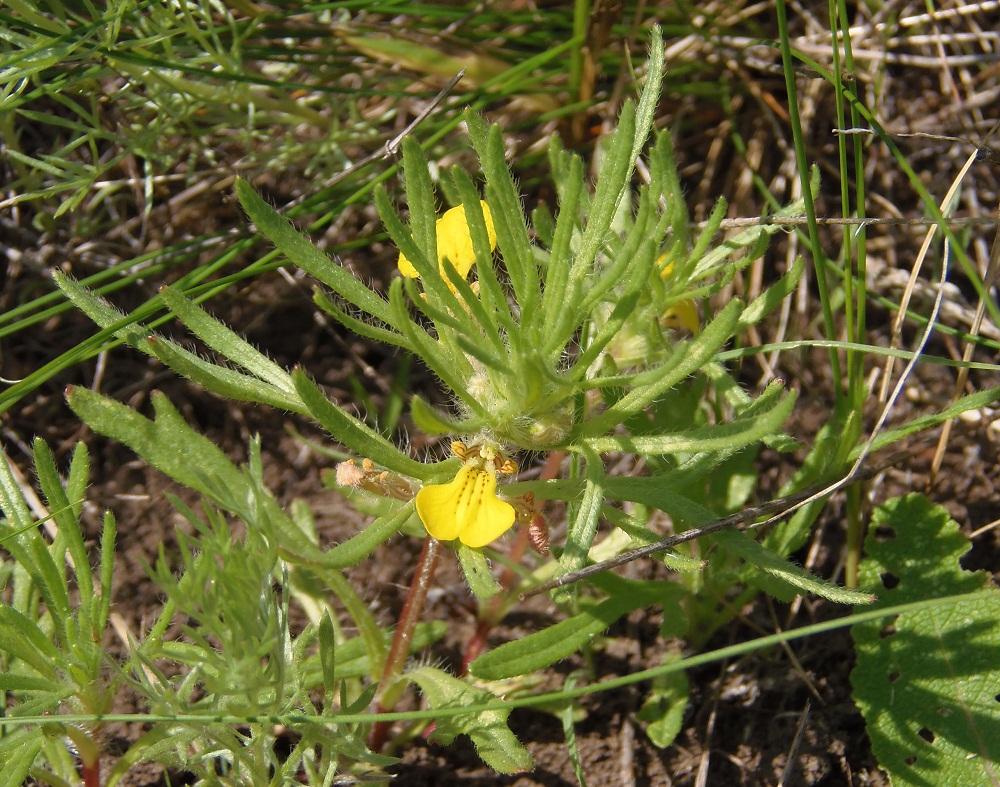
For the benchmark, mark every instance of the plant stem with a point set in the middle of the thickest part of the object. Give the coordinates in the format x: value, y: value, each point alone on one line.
x: 390, y: 688
x: 90, y: 755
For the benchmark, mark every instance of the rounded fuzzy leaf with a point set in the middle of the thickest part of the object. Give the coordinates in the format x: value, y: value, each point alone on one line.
x: 494, y: 741
x: 927, y: 682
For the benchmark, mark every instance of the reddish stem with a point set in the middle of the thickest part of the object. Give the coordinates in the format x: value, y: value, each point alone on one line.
x: 400, y: 649
x: 89, y: 752
x: 92, y: 774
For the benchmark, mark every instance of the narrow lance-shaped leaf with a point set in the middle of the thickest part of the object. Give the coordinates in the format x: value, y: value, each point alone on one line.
x: 361, y: 545
x: 750, y: 238
x: 825, y: 461
x: 220, y: 380
x: 305, y: 255
x: 556, y: 273
x: 623, y: 309
x: 22, y: 639
x: 476, y: 569
x: 707, y: 235
x: 78, y: 478
x: 609, y: 191
x: 611, y: 187
x: 486, y: 324
x: 583, y: 529
x: 360, y: 327
x: 718, y: 437
x: 63, y: 512
x: 18, y: 752
x: 428, y: 269
x: 168, y: 443
x: 108, y: 533
x: 646, y: 111
x: 226, y: 342
x: 801, y: 580
x: 20, y: 537
x: 101, y: 312
x: 328, y: 661
x: 973, y: 401
x: 358, y: 437
x: 447, y: 366
x: 435, y: 422
x: 371, y: 635
x: 661, y: 492
x: 512, y: 231
x: 633, y: 262
x: 491, y: 296
x: 772, y: 297
x: 420, y: 198
x: 545, y: 648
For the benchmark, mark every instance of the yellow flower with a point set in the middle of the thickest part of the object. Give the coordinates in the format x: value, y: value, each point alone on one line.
x: 683, y: 314
x: 454, y: 242
x: 467, y: 508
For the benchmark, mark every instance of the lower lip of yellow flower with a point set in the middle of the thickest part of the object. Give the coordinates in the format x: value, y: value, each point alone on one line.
x: 467, y: 508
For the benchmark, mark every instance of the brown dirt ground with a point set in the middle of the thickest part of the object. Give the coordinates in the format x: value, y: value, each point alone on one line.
x: 756, y: 721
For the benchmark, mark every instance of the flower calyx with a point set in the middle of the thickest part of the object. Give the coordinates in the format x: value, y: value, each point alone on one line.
x: 369, y: 478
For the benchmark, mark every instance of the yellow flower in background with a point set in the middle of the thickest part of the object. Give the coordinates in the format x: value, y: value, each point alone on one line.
x: 683, y: 314
x: 454, y: 242
x: 468, y: 508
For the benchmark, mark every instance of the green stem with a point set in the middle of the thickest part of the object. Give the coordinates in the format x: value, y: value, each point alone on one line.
x: 855, y: 534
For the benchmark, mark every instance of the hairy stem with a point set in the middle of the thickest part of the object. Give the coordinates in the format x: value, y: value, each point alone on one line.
x: 390, y: 688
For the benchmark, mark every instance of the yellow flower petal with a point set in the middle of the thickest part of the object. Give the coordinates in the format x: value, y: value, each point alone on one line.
x: 683, y: 314
x: 454, y: 242
x: 467, y: 508
x: 406, y: 267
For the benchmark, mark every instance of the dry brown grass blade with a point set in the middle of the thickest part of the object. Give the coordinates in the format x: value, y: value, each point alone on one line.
x: 947, y: 206
x: 963, y: 372
x: 989, y: 279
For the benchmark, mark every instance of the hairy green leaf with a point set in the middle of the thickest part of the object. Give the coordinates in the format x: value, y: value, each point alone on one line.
x: 168, y: 443
x: 360, y: 546
x: 557, y: 642
x: 300, y: 250
x: 355, y: 435
x: 686, y: 360
x: 225, y: 341
x: 17, y: 753
x: 727, y: 437
x: 493, y: 740
x: 927, y: 682
x: 663, y: 710
x: 478, y: 574
x: 798, y: 578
